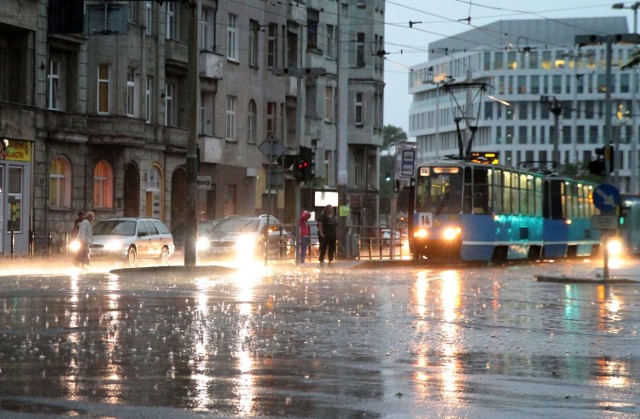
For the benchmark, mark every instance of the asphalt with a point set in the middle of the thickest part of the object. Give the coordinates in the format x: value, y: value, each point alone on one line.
x: 628, y: 273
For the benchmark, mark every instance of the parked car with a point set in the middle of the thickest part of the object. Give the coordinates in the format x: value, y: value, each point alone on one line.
x: 132, y: 239
x: 240, y: 236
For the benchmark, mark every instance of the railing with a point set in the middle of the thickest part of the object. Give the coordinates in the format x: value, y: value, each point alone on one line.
x: 375, y: 242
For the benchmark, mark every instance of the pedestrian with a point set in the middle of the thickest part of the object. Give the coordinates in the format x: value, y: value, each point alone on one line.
x: 327, y: 234
x: 85, y: 238
x: 76, y: 225
x: 303, y: 224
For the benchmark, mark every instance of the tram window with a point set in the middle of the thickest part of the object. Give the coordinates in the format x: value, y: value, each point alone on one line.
x: 524, y: 195
x: 507, y: 193
x: 515, y: 193
x: 538, y: 197
x: 497, y: 191
x: 480, y: 202
x: 440, y: 192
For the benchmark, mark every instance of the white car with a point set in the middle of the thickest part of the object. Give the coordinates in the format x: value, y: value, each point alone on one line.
x: 131, y: 239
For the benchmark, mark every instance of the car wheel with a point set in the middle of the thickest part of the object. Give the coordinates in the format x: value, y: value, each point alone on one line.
x: 132, y: 255
x: 164, y: 254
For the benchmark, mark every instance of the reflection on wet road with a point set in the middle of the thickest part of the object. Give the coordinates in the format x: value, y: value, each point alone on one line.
x: 414, y: 342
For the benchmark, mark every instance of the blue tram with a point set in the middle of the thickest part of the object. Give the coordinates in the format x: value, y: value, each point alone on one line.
x: 477, y: 212
x: 630, y: 224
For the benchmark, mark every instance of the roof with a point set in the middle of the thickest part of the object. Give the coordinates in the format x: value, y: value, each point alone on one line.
x: 546, y: 33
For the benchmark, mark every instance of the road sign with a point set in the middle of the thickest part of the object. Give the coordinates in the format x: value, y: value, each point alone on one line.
x: 272, y: 148
x: 606, y: 197
x: 407, y: 162
x: 604, y: 222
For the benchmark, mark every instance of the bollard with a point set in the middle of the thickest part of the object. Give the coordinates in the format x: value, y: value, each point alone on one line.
x: 49, y: 240
x: 32, y: 242
x: 12, y: 244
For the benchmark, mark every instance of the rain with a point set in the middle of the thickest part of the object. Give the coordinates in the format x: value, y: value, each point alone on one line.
x: 351, y: 340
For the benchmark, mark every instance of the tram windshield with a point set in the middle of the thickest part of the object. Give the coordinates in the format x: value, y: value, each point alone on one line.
x: 439, y: 190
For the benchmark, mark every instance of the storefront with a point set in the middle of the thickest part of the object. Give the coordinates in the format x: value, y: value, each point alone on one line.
x: 15, y: 178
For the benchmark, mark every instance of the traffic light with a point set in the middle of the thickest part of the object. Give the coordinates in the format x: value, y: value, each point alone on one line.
x: 304, y: 165
x: 598, y: 166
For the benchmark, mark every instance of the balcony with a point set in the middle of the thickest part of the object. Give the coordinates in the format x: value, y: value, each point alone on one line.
x: 211, y: 65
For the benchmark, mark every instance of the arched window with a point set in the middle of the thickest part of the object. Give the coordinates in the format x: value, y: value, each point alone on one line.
x: 103, y: 185
x: 251, y: 122
x: 60, y: 183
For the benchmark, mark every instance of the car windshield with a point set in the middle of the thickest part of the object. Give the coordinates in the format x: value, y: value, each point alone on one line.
x: 115, y: 228
x: 237, y: 225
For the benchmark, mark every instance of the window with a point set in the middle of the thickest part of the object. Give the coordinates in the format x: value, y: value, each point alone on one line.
x: 207, y: 29
x: 328, y: 104
x: 60, y: 183
x: 331, y: 41
x: 53, y: 78
x: 360, y: 50
x: 312, y: 29
x: 148, y: 97
x: 232, y: 38
x: 103, y: 185
x: 252, y: 124
x: 170, y: 105
x: 171, y: 20
x: 272, y: 46
x: 104, y: 89
x: 231, y: 118
x: 271, y: 118
x: 148, y: 18
x: 134, y: 12
x: 132, y: 93
x: 254, y: 30
x: 359, y: 109
x: 207, y: 100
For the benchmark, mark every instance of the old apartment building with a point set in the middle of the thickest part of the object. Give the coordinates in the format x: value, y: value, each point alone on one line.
x: 94, y: 108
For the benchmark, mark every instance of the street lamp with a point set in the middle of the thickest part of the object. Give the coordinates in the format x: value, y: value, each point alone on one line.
x: 634, y: 7
x: 555, y: 106
x: 438, y: 81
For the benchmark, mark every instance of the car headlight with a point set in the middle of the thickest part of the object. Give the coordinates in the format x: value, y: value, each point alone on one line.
x: 202, y: 243
x: 614, y: 246
x: 420, y: 233
x: 450, y: 233
x: 74, y: 245
x: 112, y: 246
x: 246, y: 243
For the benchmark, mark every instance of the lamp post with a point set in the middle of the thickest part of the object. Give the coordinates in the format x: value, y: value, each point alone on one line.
x: 633, y: 140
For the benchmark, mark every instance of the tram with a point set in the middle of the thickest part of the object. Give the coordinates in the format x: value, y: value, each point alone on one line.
x: 629, y: 230
x: 483, y: 212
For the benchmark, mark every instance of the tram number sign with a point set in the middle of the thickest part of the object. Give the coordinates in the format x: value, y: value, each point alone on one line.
x: 604, y: 222
x: 425, y: 219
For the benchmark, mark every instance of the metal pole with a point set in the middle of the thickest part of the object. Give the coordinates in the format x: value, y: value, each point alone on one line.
x: 607, y: 108
x: 633, y: 139
x: 342, y: 146
x: 437, y: 145
x: 191, y: 221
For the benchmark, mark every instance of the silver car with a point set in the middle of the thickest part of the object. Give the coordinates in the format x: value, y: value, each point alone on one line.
x: 131, y: 239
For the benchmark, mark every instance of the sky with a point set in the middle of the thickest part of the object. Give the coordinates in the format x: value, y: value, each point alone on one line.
x: 408, y: 46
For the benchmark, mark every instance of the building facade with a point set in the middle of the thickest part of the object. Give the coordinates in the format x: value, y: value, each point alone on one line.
x: 94, y: 109
x: 536, y: 80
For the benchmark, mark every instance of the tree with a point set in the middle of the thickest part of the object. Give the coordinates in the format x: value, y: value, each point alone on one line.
x: 634, y: 60
x: 391, y: 135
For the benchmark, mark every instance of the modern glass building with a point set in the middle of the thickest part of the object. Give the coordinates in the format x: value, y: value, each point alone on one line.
x: 518, y: 83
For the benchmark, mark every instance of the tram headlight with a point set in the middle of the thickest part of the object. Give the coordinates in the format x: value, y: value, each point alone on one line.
x: 614, y: 247
x: 451, y: 233
x: 421, y: 233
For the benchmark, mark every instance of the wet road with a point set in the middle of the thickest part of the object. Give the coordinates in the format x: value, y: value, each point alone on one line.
x: 331, y: 342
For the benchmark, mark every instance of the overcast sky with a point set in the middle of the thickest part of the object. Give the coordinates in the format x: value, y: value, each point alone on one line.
x: 442, y: 18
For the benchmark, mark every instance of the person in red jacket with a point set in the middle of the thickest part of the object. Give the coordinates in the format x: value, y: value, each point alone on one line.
x: 303, y: 224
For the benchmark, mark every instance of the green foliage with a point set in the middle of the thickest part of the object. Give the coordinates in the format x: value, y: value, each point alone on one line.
x: 392, y: 135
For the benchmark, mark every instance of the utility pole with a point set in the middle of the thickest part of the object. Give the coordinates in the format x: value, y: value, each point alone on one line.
x: 342, y: 146
x: 193, y: 89
x: 555, y: 106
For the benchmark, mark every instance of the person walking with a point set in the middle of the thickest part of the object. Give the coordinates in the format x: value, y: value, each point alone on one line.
x: 85, y: 238
x: 327, y: 234
x: 76, y: 225
x: 303, y: 226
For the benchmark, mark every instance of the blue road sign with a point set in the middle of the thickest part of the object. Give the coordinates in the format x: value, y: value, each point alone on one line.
x: 606, y: 197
